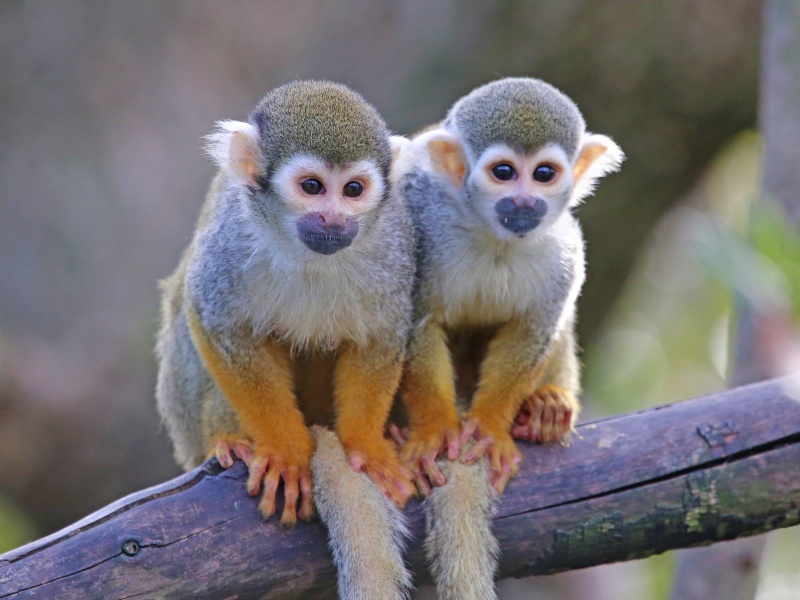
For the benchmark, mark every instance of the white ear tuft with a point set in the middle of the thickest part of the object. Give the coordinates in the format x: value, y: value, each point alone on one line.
x: 598, y: 156
x: 400, y: 156
x: 233, y: 145
x: 398, y: 143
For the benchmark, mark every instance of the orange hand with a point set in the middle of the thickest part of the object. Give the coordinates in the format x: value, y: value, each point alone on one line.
x: 268, y: 465
x: 377, y: 459
x: 494, y: 439
x: 429, y: 395
x: 547, y: 416
x: 424, y: 446
x: 365, y: 383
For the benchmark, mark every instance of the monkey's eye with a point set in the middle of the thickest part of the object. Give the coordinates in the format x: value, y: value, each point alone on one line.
x: 503, y: 171
x: 312, y: 186
x: 353, y: 189
x: 544, y: 173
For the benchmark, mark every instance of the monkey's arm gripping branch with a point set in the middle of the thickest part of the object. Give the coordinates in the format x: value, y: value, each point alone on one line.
x: 428, y: 392
x: 515, y: 361
x: 257, y: 380
x: 365, y: 383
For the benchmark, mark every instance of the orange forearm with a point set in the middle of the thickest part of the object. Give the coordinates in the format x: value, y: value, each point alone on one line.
x: 365, y: 384
x: 509, y: 374
x: 259, y: 387
x: 428, y: 388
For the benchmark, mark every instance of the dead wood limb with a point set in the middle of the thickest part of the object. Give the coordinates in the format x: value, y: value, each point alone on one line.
x: 710, y: 469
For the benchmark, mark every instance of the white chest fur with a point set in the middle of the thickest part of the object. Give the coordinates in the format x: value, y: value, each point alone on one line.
x: 484, y: 280
x: 316, y: 304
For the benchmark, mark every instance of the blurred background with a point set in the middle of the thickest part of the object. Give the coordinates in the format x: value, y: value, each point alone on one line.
x: 103, y: 106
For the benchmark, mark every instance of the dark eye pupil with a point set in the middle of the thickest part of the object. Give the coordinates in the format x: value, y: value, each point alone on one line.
x: 544, y: 173
x: 311, y: 186
x: 503, y: 172
x: 353, y: 189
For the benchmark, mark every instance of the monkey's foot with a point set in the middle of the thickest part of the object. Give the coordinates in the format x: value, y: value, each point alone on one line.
x: 547, y: 416
x: 422, y: 448
x: 269, y: 464
x: 494, y: 440
x: 225, y: 447
x: 379, y: 462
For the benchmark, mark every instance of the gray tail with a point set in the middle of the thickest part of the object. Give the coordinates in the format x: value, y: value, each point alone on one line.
x: 462, y: 551
x: 366, y: 532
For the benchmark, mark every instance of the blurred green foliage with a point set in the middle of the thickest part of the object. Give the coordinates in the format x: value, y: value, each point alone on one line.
x: 669, y: 335
x: 776, y: 239
x: 15, y: 527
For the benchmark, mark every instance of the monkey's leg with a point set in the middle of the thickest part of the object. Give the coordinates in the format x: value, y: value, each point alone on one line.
x: 514, y: 362
x: 428, y: 392
x: 257, y: 381
x: 549, y: 414
x: 365, y: 382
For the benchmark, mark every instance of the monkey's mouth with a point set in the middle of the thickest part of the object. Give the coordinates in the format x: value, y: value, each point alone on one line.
x: 326, y: 244
x: 520, y: 215
x: 326, y: 234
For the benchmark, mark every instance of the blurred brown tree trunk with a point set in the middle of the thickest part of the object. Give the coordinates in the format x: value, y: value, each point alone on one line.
x: 730, y: 570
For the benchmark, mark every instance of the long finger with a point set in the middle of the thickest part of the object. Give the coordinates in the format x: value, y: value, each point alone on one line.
x: 306, y: 511
x: 258, y: 468
x: 244, y: 452
x: 501, y: 479
x: 549, y: 423
x: 453, y: 445
x: 291, y: 491
x: 223, y: 452
x: 470, y: 428
x: 478, y: 449
x: 423, y: 485
x: 271, y: 481
x: 395, y: 435
x: 431, y: 469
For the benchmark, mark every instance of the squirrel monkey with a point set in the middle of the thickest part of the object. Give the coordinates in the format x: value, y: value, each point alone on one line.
x: 500, y: 260
x: 500, y: 266
x: 293, y: 300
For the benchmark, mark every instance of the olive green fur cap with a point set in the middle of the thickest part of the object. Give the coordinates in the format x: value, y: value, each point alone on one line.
x: 521, y: 112
x: 323, y: 119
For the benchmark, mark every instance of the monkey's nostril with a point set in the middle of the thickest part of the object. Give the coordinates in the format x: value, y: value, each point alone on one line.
x: 322, y: 218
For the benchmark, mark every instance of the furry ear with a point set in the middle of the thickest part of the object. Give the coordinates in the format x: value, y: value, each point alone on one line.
x: 446, y: 155
x: 234, y: 147
x: 398, y: 143
x: 598, y: 156
x: 401, y: 157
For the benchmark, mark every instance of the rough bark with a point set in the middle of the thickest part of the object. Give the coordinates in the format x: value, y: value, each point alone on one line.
x: 710, y: 469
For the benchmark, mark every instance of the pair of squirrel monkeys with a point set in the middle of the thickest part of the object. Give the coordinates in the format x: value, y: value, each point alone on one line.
x: 335, y: 267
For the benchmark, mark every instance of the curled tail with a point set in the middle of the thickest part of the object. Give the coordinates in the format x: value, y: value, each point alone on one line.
x: 366, y: 532
x: 462, y: 550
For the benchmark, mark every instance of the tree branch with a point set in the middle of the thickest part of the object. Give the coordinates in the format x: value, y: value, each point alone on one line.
x: 705, y: 470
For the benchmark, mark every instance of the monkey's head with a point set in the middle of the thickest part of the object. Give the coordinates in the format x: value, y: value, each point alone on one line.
x: 519, y: 150
x: 314, y: 160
